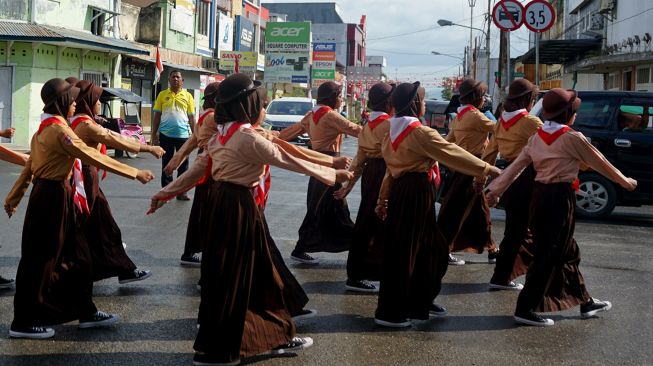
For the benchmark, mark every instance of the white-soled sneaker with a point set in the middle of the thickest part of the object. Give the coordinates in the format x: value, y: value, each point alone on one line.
x: 31, y: 332
x: 455, y: 261
x: 593, y: 307
x: 509, y: 286
x: 296, y: 344
x: 533, y: 319
x: 99, y: 319
x: 436, y: 310
x: 399, y: 323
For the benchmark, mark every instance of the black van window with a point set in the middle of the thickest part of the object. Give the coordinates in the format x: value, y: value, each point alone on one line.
x: 595, y: 111
x: 635, y: 116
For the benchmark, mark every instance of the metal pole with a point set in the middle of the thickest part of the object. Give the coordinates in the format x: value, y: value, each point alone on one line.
x: 537, y: 59
x: 487, y: 45
x: 508, y: 68
x: 471, y: 24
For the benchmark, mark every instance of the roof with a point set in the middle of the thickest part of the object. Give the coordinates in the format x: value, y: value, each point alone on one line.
x: 30, y: 32
x: 187, y: 67
x: 316, y: 13
x: 561, y: 51
x: 120, y: 93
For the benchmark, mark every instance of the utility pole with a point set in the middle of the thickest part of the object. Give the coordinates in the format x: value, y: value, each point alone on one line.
x: 472, y: 3
x: 503, y: 77
x: 487, y: 45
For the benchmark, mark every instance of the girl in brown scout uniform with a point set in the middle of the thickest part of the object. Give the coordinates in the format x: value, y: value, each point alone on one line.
x: 366, y: 251
x: 414, y: 255
x: 511, y: 133
x: 205, y: 130
x: 553, y: 281
x: 98, y: 227
x: 327, y: 226
x: 464, y: 217
x: 54, y: 280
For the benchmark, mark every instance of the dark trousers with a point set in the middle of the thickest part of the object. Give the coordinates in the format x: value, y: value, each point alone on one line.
x: 170, y: 145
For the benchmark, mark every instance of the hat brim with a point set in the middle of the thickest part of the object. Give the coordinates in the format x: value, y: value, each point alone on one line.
x: 249, y: 90
x: 575, y: 104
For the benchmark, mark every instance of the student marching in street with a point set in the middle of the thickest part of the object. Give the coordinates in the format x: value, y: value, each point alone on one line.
x: 205, y: 129
x: 98, y: 227
x: 464, y: 217
x: 54, y: 280
x: 415, y: 255
x: 510, y: 135
x: 327, y: 226
x: 366, y: 251
x: 554, y: 281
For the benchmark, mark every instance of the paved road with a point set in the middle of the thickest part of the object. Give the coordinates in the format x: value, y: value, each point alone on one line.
x: 158, y: 326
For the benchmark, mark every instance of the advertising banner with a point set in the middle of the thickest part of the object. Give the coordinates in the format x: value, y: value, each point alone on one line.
x: 225, y: 33
x: 182, y: 17
x: 288, y: 37
x: 287, y: 67
x: 246, y: 60
x: 244, y: 34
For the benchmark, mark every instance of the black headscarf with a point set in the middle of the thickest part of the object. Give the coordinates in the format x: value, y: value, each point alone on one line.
x: 89, y: 94
x: 407, y: 99
x: 327, y: 94
x: 57, y: 96
x: 241, y: 99
x: 210, y: 92
x: 379, y: 97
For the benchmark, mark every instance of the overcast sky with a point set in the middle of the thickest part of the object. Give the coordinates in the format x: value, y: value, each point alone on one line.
x: 409, y: 56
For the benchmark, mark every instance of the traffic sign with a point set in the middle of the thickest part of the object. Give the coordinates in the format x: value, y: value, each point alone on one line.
x: 539, y: 16
x: 508, y: 15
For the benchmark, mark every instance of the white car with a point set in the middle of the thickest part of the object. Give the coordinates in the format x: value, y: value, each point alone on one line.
x: 287, y: 111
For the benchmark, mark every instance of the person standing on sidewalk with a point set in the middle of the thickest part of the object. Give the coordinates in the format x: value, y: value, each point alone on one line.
x: 173, y: 124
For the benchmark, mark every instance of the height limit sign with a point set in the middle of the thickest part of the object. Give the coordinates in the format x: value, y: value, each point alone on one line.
x: 508, y: 15
x: 539, y: 16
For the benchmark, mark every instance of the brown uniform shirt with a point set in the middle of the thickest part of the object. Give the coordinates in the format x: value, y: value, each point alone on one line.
x: 95, y: 135
x: 509, y: 143
x: 52, y: 155
x: 558, y: 162
x: 369, y: 146
x: 471, y: 131
x: 326, y: 134
x: 419, y: 151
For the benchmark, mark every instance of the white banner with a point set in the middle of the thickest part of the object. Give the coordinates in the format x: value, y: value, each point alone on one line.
x: 225, y: 33
x: 287, y: 67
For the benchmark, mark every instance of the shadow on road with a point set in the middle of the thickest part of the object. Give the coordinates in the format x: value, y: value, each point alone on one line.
x: 622, y: 219
x: 105, y: 359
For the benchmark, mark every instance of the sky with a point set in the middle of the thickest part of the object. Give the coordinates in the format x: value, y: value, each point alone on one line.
x: 409, y: 55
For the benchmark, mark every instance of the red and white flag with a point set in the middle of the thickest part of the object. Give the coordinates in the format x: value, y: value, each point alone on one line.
x: 158, y: 70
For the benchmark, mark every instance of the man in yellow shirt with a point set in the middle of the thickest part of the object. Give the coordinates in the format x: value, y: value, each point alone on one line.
x: 173, y: 123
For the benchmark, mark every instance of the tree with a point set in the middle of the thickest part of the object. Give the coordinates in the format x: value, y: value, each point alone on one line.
x: 448, y: 85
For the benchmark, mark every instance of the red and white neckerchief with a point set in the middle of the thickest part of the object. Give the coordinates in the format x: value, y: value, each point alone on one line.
x: 261, y: 190
x: 50, y: 119
x: 463, y: 109
x: 79, y: 118
x: 400, y: 127
x: 376, y: 118
x: 227, y: 130
x: 79, y: 194
x: 204, y: 115
x: 434, y: 175
x: 319, y: 111
x: 508, y: 119
x: 550, y: 132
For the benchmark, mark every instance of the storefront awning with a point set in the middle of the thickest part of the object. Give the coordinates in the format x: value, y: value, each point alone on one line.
x: 561, y: 51
x: 611, y: 63
x: 29, y: 32
x: 188, y: 68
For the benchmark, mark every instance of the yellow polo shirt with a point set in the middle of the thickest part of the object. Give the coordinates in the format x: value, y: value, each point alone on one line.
x: 175, y: 109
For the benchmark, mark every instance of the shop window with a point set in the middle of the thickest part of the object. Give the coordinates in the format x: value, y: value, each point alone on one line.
x: 97, y: 22
x: 203, y: 13
x: 644, y: 76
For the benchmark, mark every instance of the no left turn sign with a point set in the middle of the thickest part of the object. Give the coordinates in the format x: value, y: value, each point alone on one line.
x: 508, y: 15
x: 539, y: 16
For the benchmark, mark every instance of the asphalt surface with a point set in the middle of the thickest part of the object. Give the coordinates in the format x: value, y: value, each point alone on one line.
x: 158, y: 314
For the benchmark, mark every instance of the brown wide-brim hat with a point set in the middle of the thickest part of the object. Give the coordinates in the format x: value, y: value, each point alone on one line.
x: 403, y: 95
x: 557, y: 101
x: 519, y: 88
x: 234, y: 87
x: 469, y: 86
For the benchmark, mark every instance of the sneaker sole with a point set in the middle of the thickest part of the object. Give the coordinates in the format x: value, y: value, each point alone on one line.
x: 547, y: 323
x: 438, y: 315
x: 122, y: 282
x: 305, y: 261
x: 190, y: 264
x: 46, y: 335
x: 103, y: 323
x: 309, y: 342
x: 391, y: 324
x: 364, y: 290
x: 199, y: 363
x: 459, y: 263
x: 312, y: 314
x: 594, y: 312
x: 509, y: 288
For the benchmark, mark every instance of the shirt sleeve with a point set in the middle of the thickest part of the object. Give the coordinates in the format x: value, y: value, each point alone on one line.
x: 386, y: 186
x: 451, y: 136
x: 492, y: 149
x: 582, y: 150
x: 356, y: 167
x: 186, y: 181
x: 102, y: 135
x: 191, y: 104
x: 344, y: 125
x: 13, y: 156
x: 304, y: 154
x: 503, y: 181
x: 186, y: 148
x: 158, y: 104
x: 486, y: 124
x: 20, y: 186
x: 291, y: 132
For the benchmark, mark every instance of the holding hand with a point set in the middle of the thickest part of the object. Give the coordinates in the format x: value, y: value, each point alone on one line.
x: 343, y: 175
x: 342, y: 192
x: 491, y: 198
x: 341, y: 162
x: 494, y: 172
x: 144, y: 176
x: 632, y: 185
x: 156, y: 151
x: 10, y: 210
x: 381, y: 209
x: 8, y: 133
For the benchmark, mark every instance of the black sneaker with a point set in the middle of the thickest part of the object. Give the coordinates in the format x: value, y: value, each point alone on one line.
x: 361, y: 286
x: 531, y: 318
x: 31, y: 332
x: 190, y: 260
x: 454, y: 261
x: 133, y: 276
x: 203, y: 359
x: 303, y: 257
x: 436, y: 310
x: 99, y: 319
x: 304, y: 314
x: 509, y: 286
x: 393, y: 323
x: 594, y: 306
x: 296, y: 344
x: 6, y: 283
x: 492, y: 256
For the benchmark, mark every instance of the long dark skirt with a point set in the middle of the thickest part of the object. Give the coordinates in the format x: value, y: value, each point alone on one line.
x: 464, y: 217
x: 242, y: 309
x: 53, y: 282
x: 553, y: 281
x: 101, y: 231
x: 366, y: 251
x: 415, y: 255
x: 196, y: 228
x: 327, y: 226
x: 515, y: 248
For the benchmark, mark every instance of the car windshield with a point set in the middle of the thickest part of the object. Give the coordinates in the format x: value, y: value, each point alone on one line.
x: 290, y: 108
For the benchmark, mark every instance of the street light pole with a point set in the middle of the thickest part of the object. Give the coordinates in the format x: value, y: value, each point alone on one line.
x: 472, y: 3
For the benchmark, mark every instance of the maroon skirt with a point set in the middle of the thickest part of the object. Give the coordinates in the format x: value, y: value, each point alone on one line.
x: 464, y: 217
x: 515, y: 248
x: 242, y: 310
x: 415, y: 255
x: 54, y: 280
x: 101, y: 231
x: 553, y: 281
x: 196, y: 225
x: 366, y: 252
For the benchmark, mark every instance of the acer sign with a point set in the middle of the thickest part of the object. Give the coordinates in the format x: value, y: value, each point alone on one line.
x: 288, y: 37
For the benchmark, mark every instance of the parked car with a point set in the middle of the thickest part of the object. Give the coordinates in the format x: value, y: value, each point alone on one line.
x: 435, y: 116
x: 284, y: 112
x: 620, y: 125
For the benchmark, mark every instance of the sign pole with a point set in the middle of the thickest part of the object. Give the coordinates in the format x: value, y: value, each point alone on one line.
x: 537, y: 59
